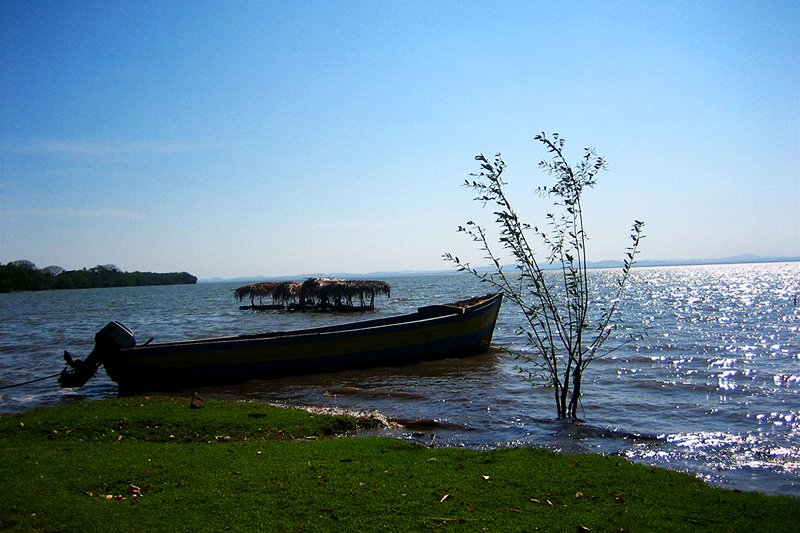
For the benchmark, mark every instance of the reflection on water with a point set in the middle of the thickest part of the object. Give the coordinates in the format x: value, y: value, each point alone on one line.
x: 710, y: 384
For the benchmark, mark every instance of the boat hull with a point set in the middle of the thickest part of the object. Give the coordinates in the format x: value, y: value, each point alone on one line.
x: 435, y: 332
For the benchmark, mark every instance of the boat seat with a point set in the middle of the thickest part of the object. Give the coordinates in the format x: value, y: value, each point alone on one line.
x: 440, y: 310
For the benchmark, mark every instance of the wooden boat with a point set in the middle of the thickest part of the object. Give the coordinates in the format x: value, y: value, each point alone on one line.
x: 262, y: 307
x: 433, y: 332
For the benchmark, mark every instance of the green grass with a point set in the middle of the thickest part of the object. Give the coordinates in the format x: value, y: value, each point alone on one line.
x: 139, y: 464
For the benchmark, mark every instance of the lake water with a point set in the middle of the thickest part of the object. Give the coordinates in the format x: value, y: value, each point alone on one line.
x: 713, y: 371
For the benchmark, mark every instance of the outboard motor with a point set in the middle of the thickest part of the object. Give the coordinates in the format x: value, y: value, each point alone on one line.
x: 112, y: 338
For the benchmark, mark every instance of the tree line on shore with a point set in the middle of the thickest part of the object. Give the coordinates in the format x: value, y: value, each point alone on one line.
x: 23, y: 275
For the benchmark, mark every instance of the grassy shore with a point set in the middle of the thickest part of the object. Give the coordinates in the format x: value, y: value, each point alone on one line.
x: 153, y: 464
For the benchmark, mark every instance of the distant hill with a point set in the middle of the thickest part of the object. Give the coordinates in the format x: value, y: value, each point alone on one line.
x: 736, y: 259
x: 744, y: 258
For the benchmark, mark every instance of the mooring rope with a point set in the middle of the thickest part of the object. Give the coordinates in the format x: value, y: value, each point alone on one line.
x: 30, y: 381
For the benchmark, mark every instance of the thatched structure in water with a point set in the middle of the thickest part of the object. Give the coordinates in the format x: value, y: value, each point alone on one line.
x: 281, y: 292
x: 317, y: 294
x: 343, y: 292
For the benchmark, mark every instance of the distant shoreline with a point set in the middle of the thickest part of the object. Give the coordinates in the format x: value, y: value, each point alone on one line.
x: 594, y: 265
x: 25, y: 277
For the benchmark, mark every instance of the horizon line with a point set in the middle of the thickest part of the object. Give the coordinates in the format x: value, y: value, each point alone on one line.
x: 593, y: 265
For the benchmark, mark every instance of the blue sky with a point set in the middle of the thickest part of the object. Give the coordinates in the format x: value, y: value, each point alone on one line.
x: 274, y: 138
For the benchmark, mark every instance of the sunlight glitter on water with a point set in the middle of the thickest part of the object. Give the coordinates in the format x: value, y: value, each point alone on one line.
x: 723, y: 451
